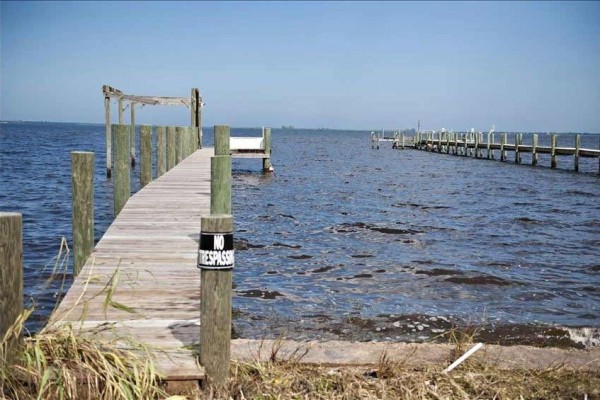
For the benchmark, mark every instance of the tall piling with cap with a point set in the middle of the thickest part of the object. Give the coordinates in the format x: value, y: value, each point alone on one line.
x: 216, y: 261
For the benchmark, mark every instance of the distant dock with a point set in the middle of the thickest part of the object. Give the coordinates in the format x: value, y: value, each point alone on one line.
x: 478, y: 145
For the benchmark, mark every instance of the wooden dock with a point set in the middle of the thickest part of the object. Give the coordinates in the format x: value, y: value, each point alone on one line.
x: 149, y: 256
x: 476, y: 145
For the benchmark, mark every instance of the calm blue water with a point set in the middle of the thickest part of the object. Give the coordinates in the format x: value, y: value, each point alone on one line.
x: 346, y: 241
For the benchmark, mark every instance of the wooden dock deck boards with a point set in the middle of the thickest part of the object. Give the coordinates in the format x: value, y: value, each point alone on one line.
x: 151, y: 249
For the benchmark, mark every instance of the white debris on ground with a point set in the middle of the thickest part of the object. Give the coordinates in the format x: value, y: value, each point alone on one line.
x: 588, y: 337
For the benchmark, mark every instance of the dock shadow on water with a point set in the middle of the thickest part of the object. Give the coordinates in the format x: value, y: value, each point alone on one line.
x: 404, y: 245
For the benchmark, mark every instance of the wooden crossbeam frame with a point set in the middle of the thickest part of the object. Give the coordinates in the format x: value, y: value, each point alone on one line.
x: 109, y: 91
x: 194, y: 103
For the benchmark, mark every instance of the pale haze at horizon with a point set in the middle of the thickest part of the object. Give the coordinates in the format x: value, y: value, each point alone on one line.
x: 523, y: 66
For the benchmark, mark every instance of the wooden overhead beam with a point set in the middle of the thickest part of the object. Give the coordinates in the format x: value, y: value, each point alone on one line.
x: 109, y: 91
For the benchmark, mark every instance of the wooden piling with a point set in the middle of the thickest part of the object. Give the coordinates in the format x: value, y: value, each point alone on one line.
x: 122, y: 181
x: 132, y: 134
x: 82, y: 185
x: 553, y: 151
x: 476, y: 145
x: 502, y: 144
x: 518, y: 137
x: 491, y: 149
x: 534, y: 145
x: 108, y: 136
x: 179, y: 144
x: 576, y: 156
x: 120, y: 106
x: 11, y: 280
x: 267, y: 167
x: 215, y: 306
x: 192, y: 141
x: 195, y: 109
x: 215, y: 302
x: 402, y: 140
x: 488, y: 145
x: 466, y: 144
x: 161, y: 151
x: 171, y: 147
x: 145, y: 155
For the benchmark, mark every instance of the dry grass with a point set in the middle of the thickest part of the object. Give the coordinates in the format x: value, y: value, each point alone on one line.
x: 59, y: 364
x: 393, y: 381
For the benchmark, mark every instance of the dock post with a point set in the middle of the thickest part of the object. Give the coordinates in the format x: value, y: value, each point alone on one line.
x: 402, y: 140
x: 553, y: 151
x: 518, y: 137
x: 576, y: 157
x: 466, y: 144
x: 145, y: 155
x: 132, y: 105
x: 82, y: 187
x: 267, y: 166
x: 454, y: 143
x: 200, y: 104
x: 11, y: 279
x: 491, y: 149
x: 161, y: 151
x: 448, y: 142
x: 108, y: 136
x: 120, y: 106
x: 196, y: 107
x: 215, y: 302
x: 179, y: 144
x: 171, y: 147
x: 193, y: 139
x: 122, y: 182
x: 534, y: 145
x: 476, y: 145
x: 489, y: 137
x: 502, y: 144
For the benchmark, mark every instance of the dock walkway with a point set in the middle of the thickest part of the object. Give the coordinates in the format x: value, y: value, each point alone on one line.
x: 149, y: 256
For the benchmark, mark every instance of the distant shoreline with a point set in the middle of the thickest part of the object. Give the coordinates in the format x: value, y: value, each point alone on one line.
x: 283, y: 128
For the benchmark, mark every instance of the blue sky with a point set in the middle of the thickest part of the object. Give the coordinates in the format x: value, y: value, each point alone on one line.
x: 523, y: 66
